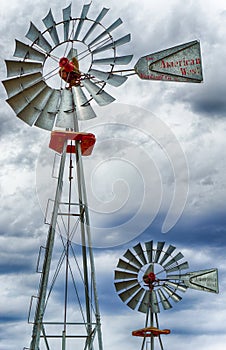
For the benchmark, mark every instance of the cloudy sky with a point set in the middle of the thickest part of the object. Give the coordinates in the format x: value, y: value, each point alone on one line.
x: 156, y: 173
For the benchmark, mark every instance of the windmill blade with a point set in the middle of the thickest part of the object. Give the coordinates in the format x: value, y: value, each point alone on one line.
x: 167, y: 254
x: 37, y: 38
x: 172, y: 294
x: 174, y: 259
x: 14, y: 86
x: 124, y: 284
x: 154, y: 302
x: 65, y: 115
x: 159, y: 249
x: 26, y: 52
x: 175, y: 285
x: 145, y: 303
x: 121, y: 60
x: 205, y: 280
x: 99, y: 95
x: 138, y: 249
x: 165, y: 302
x: 15, y: 68
x: 113, y: 26
x: 112, y: 79
x: 132, y: 258
x: 182, y: 266
x: 85, y: 10
x: 127, y: 266
x: 129, y: 292
x: 123, y: 275
x: 51, y: 26
x: 149, y: 250
x: 96, y: 22
x: 83, y: 109
x: 32, y: 111
x: 136, y: 299
x: 123, y: 40
x: 22, y: 99
x: 66, y: 19
x: 47, y: 116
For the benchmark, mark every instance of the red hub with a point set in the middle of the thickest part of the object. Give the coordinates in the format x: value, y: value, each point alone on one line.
x: 150, y: 279
x: 69, y: 71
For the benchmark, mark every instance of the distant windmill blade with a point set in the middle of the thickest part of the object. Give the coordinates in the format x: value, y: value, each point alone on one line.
x: 51, y: 26
x: 167, y: 254
x: 149, y: 250
x: 159, y: 249
x: 138, y: 249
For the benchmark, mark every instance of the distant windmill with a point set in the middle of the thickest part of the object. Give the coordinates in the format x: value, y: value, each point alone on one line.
x: 70, y: 62
x: 149, y: 278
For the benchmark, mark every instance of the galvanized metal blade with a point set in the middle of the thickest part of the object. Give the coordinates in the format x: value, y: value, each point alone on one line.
x: 121, y: 60
x: 123, y: 40
x: 132, y: 258
x: 172, y: 294
x: 149, y: 250
x: 15, y: 68
x: 48, y: 113
x: 138, y: 249
x: 179, y: 286
x: 65, y: 116
x: 127, y: 266
x: 164, y: 300
x: 182, y: 266
x: 205, y: 280
x: 124, y: 284
x: 99, y: 95
x: 37, y: 38
x: 108, y: 30
x: 32, y: 111
x: 84, y: 12
x: 123, y: 275
x: 83, y: 108
x: 136, y: 299
x: 112, y: 79
x: 154, y: 302
x: 66, y: 19
x: 145, y: 303
x: 167, y: 254
x: 173, y: 260
x: 129, y: 292
x: 14, y: 86
x: 96, y: 22
x: 26, y: 52
x: 158, y: 252
x: 22, y: 99
x: 51, y: 26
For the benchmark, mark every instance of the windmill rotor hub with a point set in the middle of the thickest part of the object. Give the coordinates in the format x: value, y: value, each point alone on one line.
x: 150, y: 279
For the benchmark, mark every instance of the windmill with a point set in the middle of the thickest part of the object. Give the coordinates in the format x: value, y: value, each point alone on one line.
x: 150, y: 279
x: 52, y: 84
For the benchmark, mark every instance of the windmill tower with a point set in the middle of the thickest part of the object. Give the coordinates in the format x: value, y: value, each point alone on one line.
x: 52, y: 85
x: 149, y: 278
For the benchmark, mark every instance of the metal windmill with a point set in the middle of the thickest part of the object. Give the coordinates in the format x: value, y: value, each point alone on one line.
x: 150, y: 278
x: 52, y: 85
